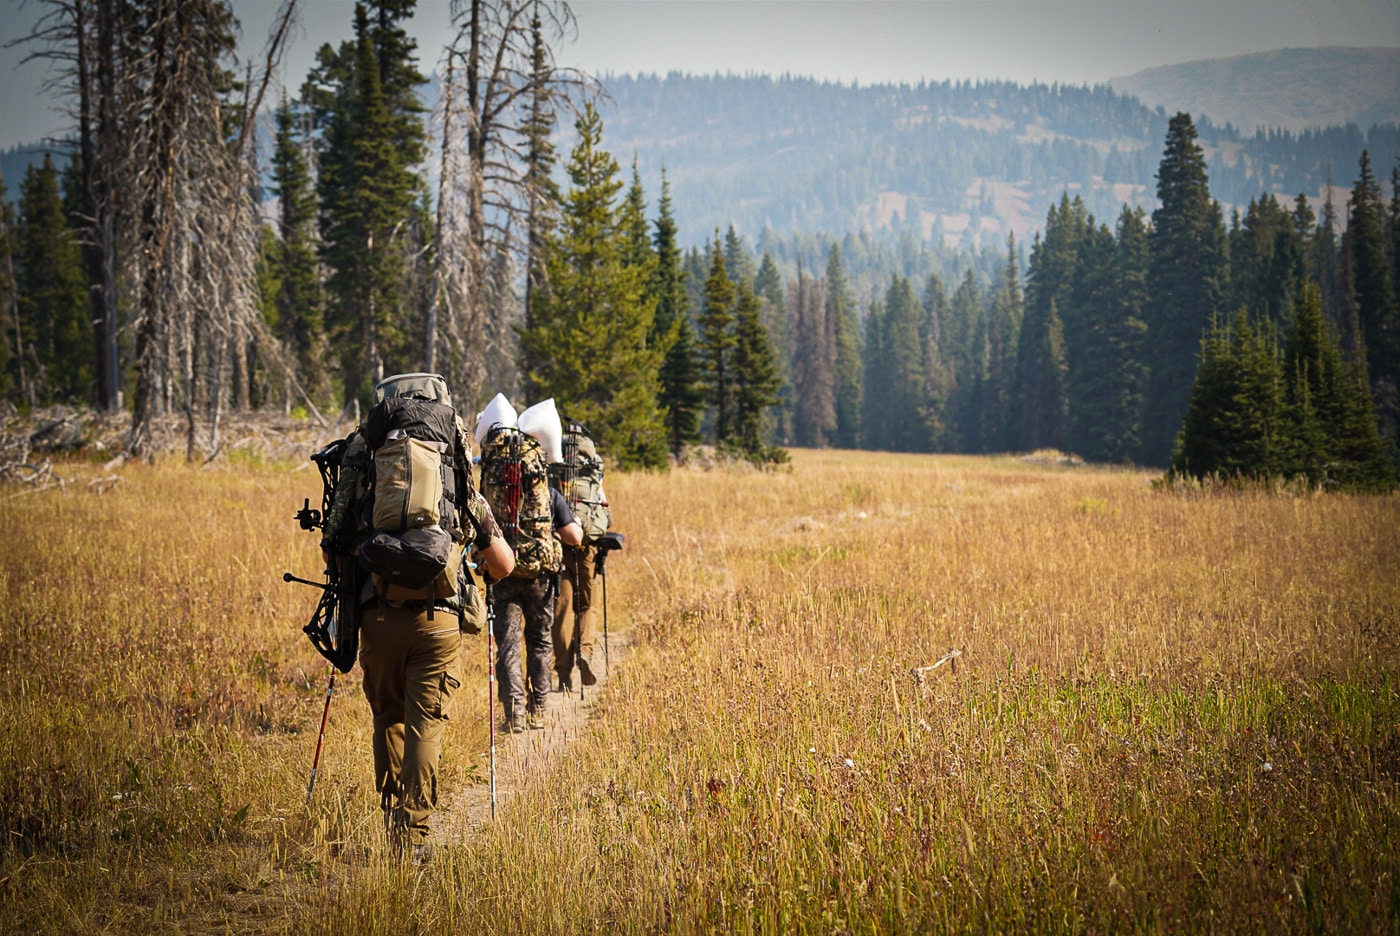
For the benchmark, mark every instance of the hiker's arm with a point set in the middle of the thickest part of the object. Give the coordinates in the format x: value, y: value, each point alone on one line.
x: 499, y: 558
x: 568, y: 529
x: 491, y: 547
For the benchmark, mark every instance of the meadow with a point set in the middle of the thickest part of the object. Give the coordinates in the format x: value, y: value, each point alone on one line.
x: 1173, y: 709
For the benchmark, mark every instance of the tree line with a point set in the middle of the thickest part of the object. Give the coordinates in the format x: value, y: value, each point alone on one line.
x: 142, y: 274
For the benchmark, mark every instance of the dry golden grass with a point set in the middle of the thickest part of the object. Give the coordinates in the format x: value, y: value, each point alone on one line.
x: 1174, y: 710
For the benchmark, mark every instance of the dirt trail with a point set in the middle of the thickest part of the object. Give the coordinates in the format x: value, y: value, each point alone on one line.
x: 517, y: 756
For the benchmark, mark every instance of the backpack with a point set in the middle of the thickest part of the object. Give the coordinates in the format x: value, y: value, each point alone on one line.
x: 579, y: 477
x: 417, y: 457
x: 515, y: 483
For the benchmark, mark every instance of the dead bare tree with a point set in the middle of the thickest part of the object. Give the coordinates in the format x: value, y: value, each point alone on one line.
x: 167, y: 167
x: 495, y: 79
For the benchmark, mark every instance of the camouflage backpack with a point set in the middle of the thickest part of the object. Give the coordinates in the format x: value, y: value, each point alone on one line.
x: 579, y: 477
x: 514, y: 483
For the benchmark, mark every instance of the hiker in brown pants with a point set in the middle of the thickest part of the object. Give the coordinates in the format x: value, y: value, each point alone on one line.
x: 575, y: 621
x: 412, y: 668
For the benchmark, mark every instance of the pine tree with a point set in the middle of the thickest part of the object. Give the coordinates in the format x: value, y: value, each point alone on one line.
x: 874, y: 414
x: 906, y: 389
x: 1053, y: 318
x: 768, y: 284
x: 591, y: 332
x: 1187, y: 249
x: 737, y: 259
x: 1004, y: 324
x: 1334, y: 435
x: 369, y: 193
x: 682, y: 394
x: 298, y: 297
x: 755, y: 378
x: 632, y: 218
x: 841, y: 310
x: 52, y: 291
x: 717, y: 343
x: 1375, y: 297
x: 938, y: 418
x: 1236, y: 423
x: 969, y: 351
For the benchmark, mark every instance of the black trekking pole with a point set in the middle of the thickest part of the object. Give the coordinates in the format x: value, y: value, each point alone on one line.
x: 316, y: 761
x: 606, y: 543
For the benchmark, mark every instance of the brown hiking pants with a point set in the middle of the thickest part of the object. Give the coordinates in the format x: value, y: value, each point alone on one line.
x: 412, y: 671
x: 575, y: 620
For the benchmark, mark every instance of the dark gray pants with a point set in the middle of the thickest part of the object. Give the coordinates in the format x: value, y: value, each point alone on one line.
x: 531, y: 602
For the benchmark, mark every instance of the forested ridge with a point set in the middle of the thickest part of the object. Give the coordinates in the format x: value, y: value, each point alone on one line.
x: 493, y: 235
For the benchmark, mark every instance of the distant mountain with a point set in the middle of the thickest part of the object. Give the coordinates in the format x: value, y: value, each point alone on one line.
x: 961, y: 163
x: 1289, y: 89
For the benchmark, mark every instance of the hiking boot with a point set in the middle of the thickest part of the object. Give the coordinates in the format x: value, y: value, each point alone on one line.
x: 513, y: 721
x: 564, y: 682
x: 422, y: 854
x: 535, y: 717
x: 585, y: 672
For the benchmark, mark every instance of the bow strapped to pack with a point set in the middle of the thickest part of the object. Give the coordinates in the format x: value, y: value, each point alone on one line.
x: 579, y: 477
x: 514, y: 483
x: 334, y: 628
x: 391, y: 512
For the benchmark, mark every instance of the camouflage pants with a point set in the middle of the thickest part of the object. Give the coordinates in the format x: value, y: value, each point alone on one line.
x: 527, y: 602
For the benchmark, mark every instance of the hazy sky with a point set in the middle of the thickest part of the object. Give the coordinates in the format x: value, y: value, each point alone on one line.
x: 1067, y: 41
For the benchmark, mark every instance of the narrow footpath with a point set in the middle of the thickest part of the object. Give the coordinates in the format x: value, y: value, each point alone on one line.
x: 519, y: 755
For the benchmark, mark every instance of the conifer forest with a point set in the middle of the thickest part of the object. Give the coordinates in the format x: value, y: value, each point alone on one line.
x: 202, y: 244
x: 1001, y: 483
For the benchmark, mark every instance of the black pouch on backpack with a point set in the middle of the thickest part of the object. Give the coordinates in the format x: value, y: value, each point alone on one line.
x: 411, y: 558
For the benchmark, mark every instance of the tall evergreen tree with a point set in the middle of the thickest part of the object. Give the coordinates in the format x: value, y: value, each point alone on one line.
x: 1004, y: 321
x: 755, y: 376
x: 717, y: 343
x: 1333, y: 425
x: 369, y: 193
x: 841, y: 310
x: 938, y: 371
x: 969, y: 351
x: 874, y: 414
x: 768, y: 284
x: 1088, y: 323
x: 591, y: 331
x: 682, y: 393
x: 52, y: 291
x: 814, y: 362
x: 1187, y: 244
x: 1236, y: 424
x: 737, y: 259
x: 298, y: 297
x: 905, y: 387
x: 1375, y: 297
x: 1052, y: 313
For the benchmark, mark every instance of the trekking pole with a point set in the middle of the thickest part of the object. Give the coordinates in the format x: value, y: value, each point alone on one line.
x: 606, y: 544
x: 491, y: 688
x: 316, y: 761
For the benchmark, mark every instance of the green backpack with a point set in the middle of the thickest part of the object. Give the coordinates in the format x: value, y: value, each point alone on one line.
x: 515, y: 485
x: 579, y: 477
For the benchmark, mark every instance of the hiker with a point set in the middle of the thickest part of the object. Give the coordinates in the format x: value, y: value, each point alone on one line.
x: 529, y: 602
x: 579, y: 476
x: 410, y: 623
x: 537, y: 523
